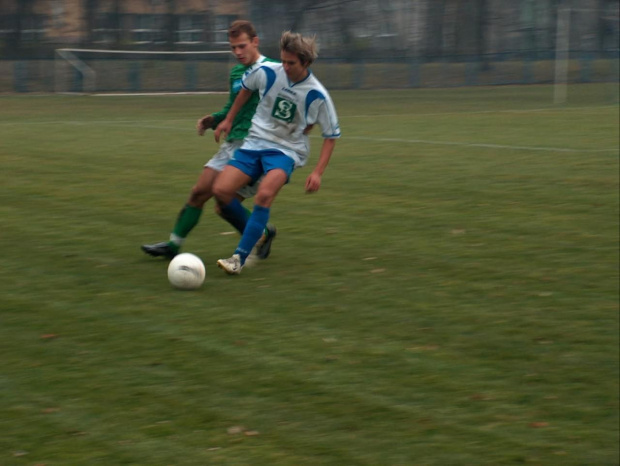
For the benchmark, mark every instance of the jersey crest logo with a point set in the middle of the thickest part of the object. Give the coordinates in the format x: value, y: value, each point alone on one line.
x: 284, y: 110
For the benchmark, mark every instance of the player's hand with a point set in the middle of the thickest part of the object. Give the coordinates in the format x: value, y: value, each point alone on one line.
x: 204, y: 123
x: 313, y: 182
x: 223, y: 128
x: 308, y: 129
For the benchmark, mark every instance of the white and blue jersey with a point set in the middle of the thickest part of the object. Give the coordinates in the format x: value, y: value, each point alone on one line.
x: 286, y: 109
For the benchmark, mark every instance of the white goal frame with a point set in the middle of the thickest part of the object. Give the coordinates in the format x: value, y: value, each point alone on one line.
x: 68, y: 56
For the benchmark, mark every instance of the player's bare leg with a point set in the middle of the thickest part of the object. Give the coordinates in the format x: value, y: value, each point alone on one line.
x: 188, y: 217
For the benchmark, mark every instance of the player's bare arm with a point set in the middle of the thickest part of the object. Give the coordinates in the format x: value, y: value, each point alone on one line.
x: 313, y: 182
x: 204, y: 123
x: 226, y: 125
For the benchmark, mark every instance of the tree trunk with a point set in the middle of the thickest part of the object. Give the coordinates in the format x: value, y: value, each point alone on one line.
x: 481, y: 34
x: 90, y: 13
x: 434, y: 28
x: 117, y: 22
x: 170, y: 26
x: 14, y: 39
x: 298, y: 16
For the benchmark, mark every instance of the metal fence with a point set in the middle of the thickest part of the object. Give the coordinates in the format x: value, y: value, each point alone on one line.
x: 191, y: 75
x: 365, y: 44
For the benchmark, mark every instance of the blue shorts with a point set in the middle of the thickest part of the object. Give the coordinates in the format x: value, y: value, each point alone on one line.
x: 255, y: 163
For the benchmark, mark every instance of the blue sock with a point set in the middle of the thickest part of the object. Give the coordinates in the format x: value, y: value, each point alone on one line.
x: 253, y: 231
x: 235, y: 214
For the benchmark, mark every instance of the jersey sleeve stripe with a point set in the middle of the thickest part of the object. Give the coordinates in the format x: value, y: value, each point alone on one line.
x: 271, y: 78
x: 311, y: 97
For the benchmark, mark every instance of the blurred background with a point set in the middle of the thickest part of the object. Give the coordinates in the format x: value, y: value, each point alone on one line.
x: 119, y: 45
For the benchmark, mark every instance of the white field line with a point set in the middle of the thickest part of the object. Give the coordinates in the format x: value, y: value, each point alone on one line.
x: 144, y: 125
x: 132, y: 122
x: 482, y: 112
x: 151, y: 94
x: 479, y: 144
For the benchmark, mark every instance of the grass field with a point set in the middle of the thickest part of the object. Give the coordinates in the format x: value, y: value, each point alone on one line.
x: 449, y: 297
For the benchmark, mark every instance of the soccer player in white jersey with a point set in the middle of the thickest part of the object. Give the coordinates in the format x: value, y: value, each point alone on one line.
x: 292, y: 99
x: 244, y: 45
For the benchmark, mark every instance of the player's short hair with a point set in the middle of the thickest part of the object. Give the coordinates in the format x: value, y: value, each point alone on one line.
x: 303, y: 46
x: 242, y: 26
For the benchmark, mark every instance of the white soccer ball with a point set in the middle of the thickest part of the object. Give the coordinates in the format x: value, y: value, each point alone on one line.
x: 186, y: 272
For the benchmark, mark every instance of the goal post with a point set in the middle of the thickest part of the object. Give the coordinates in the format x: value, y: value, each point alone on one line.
x: 571, y: 54
x: 562, y: 49
x: 91, y: 71
x: 66, y: 57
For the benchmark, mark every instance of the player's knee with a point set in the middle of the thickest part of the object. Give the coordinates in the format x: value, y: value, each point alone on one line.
x: 263, y: 198
x: 222, y: 192
x: 199, y: 195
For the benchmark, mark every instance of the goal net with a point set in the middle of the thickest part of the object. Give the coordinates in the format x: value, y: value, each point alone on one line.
x: 129, y: 71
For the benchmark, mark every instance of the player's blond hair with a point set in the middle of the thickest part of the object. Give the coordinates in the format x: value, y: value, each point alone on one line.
x: 303, y: 46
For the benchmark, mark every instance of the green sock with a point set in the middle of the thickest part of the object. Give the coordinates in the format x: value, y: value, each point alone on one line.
x: 188, y: 218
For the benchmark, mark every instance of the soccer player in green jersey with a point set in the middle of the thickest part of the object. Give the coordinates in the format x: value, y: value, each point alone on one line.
x: 244, y: 45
